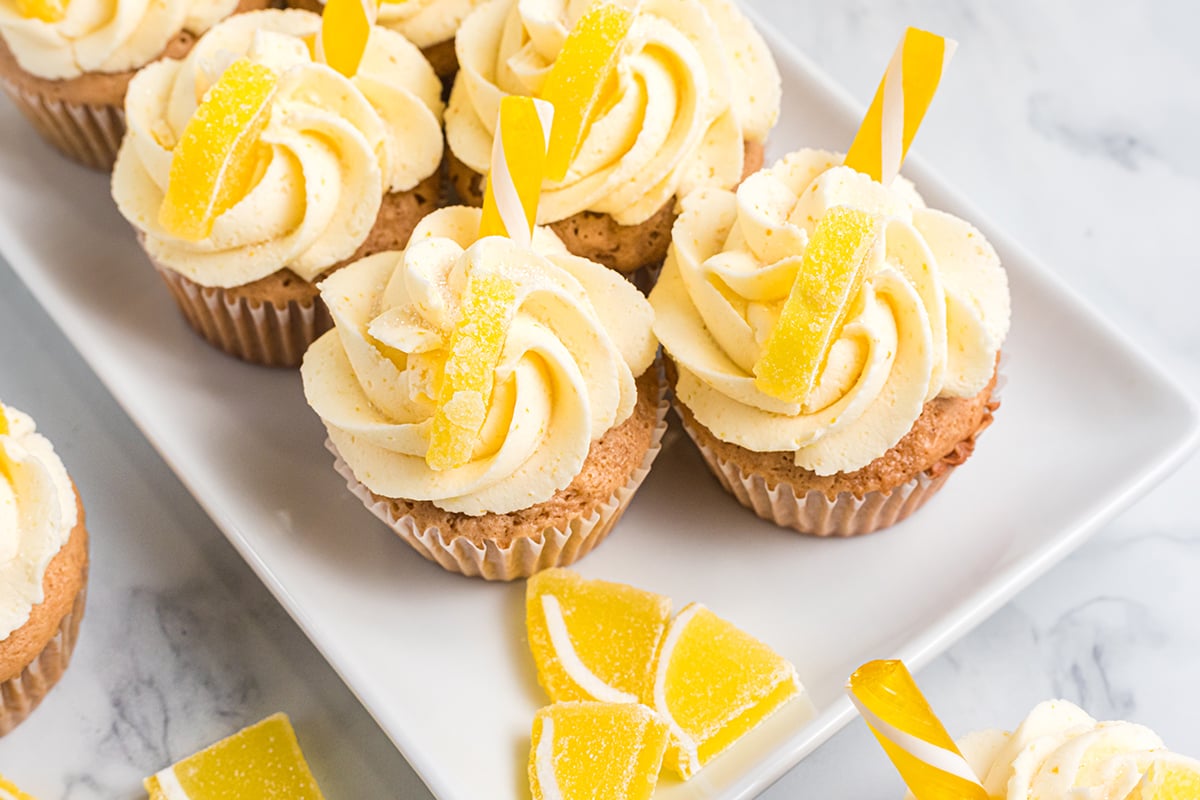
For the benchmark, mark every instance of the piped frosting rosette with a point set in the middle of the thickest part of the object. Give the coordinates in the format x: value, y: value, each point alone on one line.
x: 693, y: 80
x: 928, y: 321
x: 578, y: 339
x: 336, y: 145
x: 106, y: 36
x: 425, y: 22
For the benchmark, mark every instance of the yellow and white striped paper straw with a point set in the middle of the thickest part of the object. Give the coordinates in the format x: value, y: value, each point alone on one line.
x: 514, y: 183
x: 911, y: 734
x: 342, y: 38
x: 900, y: 103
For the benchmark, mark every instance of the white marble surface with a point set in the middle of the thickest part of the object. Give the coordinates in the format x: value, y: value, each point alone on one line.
x: 1073, y: 125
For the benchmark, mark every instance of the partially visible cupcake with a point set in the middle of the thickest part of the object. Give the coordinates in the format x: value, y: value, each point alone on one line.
x: 906, y: 387
x: 429, y: 24
x: 567, y: 431
x: 695, y: 94
x: 43, y: 567
x: 67, y: 65
x: 346, y: 168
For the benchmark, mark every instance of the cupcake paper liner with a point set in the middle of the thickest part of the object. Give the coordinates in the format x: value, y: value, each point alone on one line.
x: 89, y: 134
x: 22, y: 694
x: 556, y: 547
x: 846, y: 515
x: 258, y: 332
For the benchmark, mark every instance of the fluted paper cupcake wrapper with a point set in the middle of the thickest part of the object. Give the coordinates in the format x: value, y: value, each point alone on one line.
x: 22, y: 694
x: 89, y: 134
x: 525, y: 555
x: 261, y: 333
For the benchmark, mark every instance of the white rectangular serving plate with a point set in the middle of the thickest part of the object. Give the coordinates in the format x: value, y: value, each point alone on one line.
x: 440, y: 661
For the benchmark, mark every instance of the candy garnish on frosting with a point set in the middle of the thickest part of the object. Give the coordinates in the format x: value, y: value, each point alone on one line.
x: 217, y: 159
x: 45, y: 10
x: 345, y: 29
x: 5, y: 466
x: 476, y: 344
x: 828, y: 278
x: 576, y: 82
x: 900, y: 104
x: 911, y: 734
x: 514, y: 182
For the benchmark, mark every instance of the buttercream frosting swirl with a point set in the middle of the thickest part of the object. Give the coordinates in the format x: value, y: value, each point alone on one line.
x: 928, y: 321
x: 335, y: 145
x: 1059, y: 752
x: 693, y: 80
x: 37, y: 514
x: 104, y: 36
x: 579, y: 336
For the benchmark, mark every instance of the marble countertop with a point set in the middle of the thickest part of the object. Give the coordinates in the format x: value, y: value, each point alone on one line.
x: 1064, y: 122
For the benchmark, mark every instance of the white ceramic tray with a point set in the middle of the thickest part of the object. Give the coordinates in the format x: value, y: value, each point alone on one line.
x: 1087, y: 424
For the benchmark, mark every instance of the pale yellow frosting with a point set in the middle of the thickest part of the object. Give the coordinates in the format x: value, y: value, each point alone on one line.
x: 580, y: 335
x: 693, y: 80
x: 424, y: 22
x: 928, y: 322
x: 37, y: 514
x: 104, y: 35
x: 337, y: 145
x: 1059, y: 752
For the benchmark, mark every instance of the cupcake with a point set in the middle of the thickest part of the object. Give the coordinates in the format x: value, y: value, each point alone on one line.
x: 907, y: 385
x: 345, y: 168
x: 694, y: 96
x: 429, y: 24
x: 43, y: 567
x: 67, y: 65
x: 565, y: 433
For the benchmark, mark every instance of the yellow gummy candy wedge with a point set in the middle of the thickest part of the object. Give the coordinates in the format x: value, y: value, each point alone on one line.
x: 891, y: 122
x: 514, y: 182
x: 45, y: 10
x: 827, y: 280
x: 3, y: 422
x: 1172, y: 778
x: 575, y: 85
x: 911, y: 734
x: 593, y: 640
x: 262, y: 761
x: 713, y: 683
x: 475, y: 346
x: 216, y: 161
x: 7, y: 789
x: 595, y: 751
x: 345, y: 29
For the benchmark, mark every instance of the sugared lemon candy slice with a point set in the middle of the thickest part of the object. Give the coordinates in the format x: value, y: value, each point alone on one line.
x: 1169, y: 778
x: 593, y: 640
x: 828, y: 278
x: 713, y: 683
x: 595, y: 751
x: 45, y: 10
x: 345, y: 29
x: 8, y: 790
x: 263, y: 761
x: 476, y: 344
x: 217, y: 159
x: 575, y: 85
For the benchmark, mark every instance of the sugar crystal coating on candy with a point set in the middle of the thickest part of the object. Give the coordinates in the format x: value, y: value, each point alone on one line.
x: 713, y: 684
x: 595, y: 751
x: 577, y: 80
x: 828, y: 278
x: 217, y: 159
x: 262, y: 761
x: 591, y: 639
x: 465, y: 394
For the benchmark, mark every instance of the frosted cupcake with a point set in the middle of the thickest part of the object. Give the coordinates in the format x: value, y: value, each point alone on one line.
x: 567, y: 428
x: 907, y: 384
x: 341, y: 168
x: 694, y: 96
x: 43, y: 567
x: 429, y: 24
x: 66, y: 65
